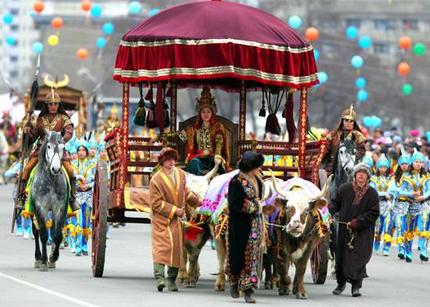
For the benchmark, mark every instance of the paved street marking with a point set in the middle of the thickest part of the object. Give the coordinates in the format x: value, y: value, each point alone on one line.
x: 48, y: 291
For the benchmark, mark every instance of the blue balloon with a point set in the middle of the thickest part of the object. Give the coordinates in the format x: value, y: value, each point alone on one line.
x: 362, y: 95
x: 10, y: 40
x: 322, y: 77
x: 101, y: 42
x: 357, y: 61
x: 134, y: 7
x: 108, y: 28
x: 96, y: 11
x: 360, y: 82
x: 316, y: 54
x: 37, y: 47
x: 153, y: 12
x: 351, y: 32
x: 365, y: 42
x: 294, y: 22
x: 8, y: 19
x: 367, y: 121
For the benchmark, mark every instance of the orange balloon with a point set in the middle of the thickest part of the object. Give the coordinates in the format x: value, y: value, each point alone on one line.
x: 86, y: 5
x: 312, y: 34
x: 403, y: 69
x: 405, y: 42
x: 38, y: 6
x: 57, y: 23
x: 82, y: 54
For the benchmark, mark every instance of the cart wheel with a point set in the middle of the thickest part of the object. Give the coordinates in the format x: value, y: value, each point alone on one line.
x: 99, y: 213
x: 319, y: 261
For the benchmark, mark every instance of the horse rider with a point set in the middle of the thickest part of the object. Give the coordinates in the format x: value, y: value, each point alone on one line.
x: 52, y: 117
x: 347, y: 129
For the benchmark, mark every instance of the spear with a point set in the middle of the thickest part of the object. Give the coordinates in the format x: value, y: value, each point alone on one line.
x: 26, y: 145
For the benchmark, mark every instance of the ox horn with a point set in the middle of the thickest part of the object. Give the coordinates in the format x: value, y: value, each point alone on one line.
x: 212, y: 173
x: 276, y: 187
x: 324, y: 191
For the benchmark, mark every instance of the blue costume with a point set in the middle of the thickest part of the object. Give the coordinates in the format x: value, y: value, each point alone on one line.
x: 417, y: 183
x: 383, y: 228
x: 85, y: 172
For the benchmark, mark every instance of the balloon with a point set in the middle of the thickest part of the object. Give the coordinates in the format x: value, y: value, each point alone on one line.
x: 37, y: 47
x: 362, y: 95
x: 153, y: 12
x: 357, y: 61
x: 367, y: 121
x: 360, y: 82
x: 96, y: 11
x: 134, y: 7
x: 82, y: 54
x: 407, y: 89
x: 10, y: 40
x: 57, y: 23
x: 86, y: 5
x: 294, y: 21
x: 101, y: 42
x: 419, y: 49
x: 351, y: 32
x: 53, y: 40
x: 8, y: 19
x: 365, y: 42
x: 312, y: 34
x: 322, y: 77
x: 405, y: 42
x: 108, y: 28
x: 316, y: 54
x: 38, y: 6
x: 403, y: 69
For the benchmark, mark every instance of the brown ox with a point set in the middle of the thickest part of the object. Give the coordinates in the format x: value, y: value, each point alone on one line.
x: 299, y: 230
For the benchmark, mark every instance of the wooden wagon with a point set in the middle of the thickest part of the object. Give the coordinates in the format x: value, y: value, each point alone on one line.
x: 206, y: 43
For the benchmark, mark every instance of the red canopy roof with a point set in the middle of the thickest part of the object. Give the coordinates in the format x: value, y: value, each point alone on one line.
x: 215, y: 40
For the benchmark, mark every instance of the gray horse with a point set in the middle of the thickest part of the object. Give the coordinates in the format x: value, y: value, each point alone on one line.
x: 49, y: 192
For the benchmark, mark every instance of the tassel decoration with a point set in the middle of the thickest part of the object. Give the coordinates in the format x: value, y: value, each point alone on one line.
x: 140, y: 115
x: 262, y: 112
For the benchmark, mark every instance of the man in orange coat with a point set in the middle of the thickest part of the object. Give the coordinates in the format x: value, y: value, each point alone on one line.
x: 168, y: 195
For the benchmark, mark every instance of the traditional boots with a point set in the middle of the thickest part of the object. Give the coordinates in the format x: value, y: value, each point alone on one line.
x: 22, y: 195
x: 159, y: 276
x: 172, y: 273
x: 248, y: 296
x: 72, y: 200
x: 234, y: 287
x: 339, y: 289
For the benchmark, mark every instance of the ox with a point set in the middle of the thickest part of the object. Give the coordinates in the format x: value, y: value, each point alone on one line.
x: 299, y: 229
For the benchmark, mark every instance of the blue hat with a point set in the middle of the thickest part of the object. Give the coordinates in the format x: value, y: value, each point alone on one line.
x: 92, y: 143
x: 80, y: 143
x: 102, y: 146
x: 368, y: 161
x: 382, y: 162
x: 68, y: 148
x: 417, y: 156
x: 404, y: 159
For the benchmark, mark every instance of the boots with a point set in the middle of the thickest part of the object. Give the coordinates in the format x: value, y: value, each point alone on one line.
x: 234, y: 288
x: 22, y: 195
x: 159, y: 276
x: 72, y: 199
x: 339, y: 289
x: 248, y: 296
x: 355, y: 291
x: 172, y: 273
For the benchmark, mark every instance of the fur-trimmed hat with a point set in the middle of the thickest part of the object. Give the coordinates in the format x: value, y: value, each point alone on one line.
x: 361, y: 167
x: 167, y: 153
x: 250, y: 160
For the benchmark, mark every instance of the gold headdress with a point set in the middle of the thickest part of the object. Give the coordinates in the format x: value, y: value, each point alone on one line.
x: 52, y: 97
x: 114, y: 109
x: 206, y: 100
x: 349, y: 113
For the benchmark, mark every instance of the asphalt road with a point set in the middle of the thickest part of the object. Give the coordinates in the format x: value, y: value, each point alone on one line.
x: 128, y: 279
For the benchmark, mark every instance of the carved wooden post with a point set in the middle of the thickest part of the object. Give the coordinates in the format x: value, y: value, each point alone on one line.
x: 123, y: 167
x: 173, y: 106
x: 302, y: 132
x: 242, y: 115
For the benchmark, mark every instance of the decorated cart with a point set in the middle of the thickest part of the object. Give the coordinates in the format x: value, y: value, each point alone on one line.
x: 218, y: 44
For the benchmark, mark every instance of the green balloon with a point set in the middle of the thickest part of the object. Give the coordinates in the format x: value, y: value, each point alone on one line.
x: 407, y: 89
x: 419, y: 49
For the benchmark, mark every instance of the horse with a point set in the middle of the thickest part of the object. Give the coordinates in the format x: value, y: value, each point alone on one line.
x: 49, y: 192
x: 343, y: 166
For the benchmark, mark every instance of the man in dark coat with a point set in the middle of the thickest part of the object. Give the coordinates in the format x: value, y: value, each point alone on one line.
x: 358, y: 207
